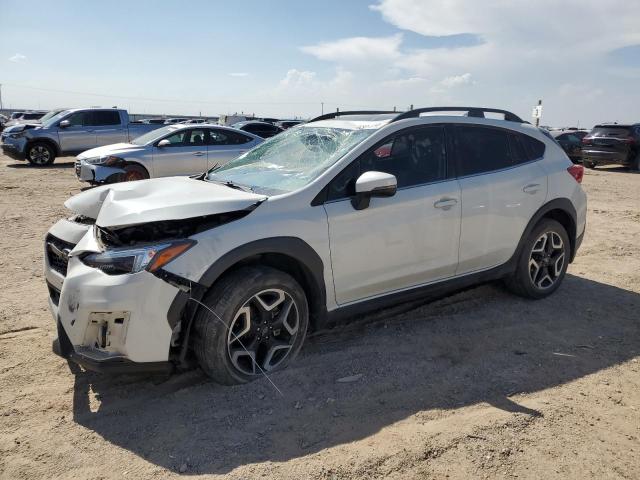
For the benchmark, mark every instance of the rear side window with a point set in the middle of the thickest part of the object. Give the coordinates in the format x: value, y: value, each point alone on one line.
x: 525, y: 148
x: 482, y: 149
x: 106, y: 117
x: 32, y: 116
x: 225, y: 137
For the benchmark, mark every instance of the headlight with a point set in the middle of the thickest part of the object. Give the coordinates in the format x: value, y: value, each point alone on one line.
x: 106, y: 160
x: 17, y: 135
x: 133, y: 260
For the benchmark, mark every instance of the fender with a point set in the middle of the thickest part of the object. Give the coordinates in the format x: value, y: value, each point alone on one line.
x: 563, y: 204
x: 298, y: 250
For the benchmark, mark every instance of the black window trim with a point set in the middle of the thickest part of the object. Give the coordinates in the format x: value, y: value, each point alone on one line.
x: 450, y: 167
x: 510, y: 132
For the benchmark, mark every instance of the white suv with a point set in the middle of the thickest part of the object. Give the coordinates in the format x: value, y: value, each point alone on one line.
x: 346, y: 213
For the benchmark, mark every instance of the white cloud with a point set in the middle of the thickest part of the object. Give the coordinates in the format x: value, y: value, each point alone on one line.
x: 18, y: 58
x: 357, y: 49
x: 456, y: 80
x: 297, y: 78
x: 239, y: 74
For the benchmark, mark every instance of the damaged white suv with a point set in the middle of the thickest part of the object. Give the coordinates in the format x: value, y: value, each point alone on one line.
x: 346, y: 213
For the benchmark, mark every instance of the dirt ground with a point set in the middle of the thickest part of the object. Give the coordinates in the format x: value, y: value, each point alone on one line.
x: 477, y: 385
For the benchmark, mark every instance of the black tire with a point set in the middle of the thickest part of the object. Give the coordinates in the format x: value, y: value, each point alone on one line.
x: 635, y: 163
x: 134, y: 172
x: 521, y: 282
x: 590, y: 165
x: 230, y: 296
x: 40, y: 154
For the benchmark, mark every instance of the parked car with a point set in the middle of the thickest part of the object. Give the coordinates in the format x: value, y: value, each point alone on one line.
x: 171, y: 121
x: 71, y: 132
x: 612, y: 144
x: 3, y: 119
x: 339, y: 216
x: 229, y: 120
x: 153, y: 121
x: 15, y: 115
x: 261, y: 129
x: 171, y: 150
x: 571, y: 142
x: 25, y: 117
x: 284, y: 124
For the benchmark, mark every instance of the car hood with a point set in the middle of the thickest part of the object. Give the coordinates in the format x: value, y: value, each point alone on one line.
x: 170, y: 198
x: 114, y: 149
x: 14, y: 127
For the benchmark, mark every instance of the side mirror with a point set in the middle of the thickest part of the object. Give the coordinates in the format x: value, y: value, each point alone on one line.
x: 163, y: 143
x: 64, y: 124
x: 373, y: 184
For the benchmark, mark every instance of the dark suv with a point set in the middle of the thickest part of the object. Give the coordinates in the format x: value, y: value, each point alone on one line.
x: 612, y: 143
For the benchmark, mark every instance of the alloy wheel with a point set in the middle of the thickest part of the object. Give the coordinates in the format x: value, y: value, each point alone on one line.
x: 263, y: 332
x: 546, y: 260
x: 39, y: 155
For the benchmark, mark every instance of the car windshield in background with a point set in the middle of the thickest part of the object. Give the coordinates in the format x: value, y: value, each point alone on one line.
x: 290, y: 160
x: 610, y: 131
x: 153, y: 135
x: 51, y: 121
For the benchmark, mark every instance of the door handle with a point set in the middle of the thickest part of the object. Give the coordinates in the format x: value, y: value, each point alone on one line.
x: 532, y: 188
x: 445, y: 203
x: 199, y: 154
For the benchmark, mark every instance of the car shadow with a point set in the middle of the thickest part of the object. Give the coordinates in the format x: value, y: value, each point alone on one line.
x: 54, y: 165
x: 480, y: 345
x: 613, y: 169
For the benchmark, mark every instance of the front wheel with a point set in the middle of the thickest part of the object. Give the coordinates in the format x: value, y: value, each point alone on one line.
x: 254, y: 323
x: 40, y: 154
x: 543, y: 262
x: 135, y: 172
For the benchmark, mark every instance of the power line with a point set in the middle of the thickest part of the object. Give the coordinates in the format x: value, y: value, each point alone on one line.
x: 168, y: 100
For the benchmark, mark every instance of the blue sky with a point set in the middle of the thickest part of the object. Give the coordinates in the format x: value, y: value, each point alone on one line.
x: 285, y: 58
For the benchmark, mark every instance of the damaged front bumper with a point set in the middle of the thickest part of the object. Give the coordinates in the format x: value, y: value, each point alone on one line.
x: 106, y: 323
x: 98, y: 174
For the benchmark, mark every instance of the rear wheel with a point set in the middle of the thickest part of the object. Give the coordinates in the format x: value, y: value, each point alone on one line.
x: 40, y: 154
x: 255, y: 323
x: 135, y: 172
x: 543, y: 262
x: 589, y: 164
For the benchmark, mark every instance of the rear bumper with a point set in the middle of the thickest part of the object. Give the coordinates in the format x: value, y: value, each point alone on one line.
x: 605, y: 158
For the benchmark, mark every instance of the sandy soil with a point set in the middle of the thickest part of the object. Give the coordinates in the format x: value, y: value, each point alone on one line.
x: 477, y: 385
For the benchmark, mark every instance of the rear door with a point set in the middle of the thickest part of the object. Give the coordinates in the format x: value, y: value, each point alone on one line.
x: 185, y: 155
x: 109, y: 127
x: 79, y: 135
x: 224, y: 145
x: 503, y: 185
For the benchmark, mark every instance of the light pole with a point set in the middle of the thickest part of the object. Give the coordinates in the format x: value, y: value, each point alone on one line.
x: 1, y: 96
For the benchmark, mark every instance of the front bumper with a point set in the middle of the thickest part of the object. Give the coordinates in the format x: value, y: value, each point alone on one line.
x: 13, y: 147
x: 87, y: 172
x: 106, y: 322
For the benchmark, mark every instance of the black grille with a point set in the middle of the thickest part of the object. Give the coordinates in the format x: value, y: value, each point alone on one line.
x: 58, y: 254
x: 54, y: 293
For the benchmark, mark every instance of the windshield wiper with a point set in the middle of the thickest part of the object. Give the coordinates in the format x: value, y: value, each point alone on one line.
x: 230, y: 184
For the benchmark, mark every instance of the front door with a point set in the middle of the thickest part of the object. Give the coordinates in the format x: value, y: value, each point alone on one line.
x: 186, y: 154
x: 402, y: 241
x: 79, y: 135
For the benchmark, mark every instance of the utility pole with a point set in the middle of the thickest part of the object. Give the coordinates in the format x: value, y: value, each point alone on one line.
x: 322, y: 111
x: 1, y: 97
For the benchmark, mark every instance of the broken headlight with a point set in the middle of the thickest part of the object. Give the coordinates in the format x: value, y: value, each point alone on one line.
x: 117, y: 261
x: 106, y: 160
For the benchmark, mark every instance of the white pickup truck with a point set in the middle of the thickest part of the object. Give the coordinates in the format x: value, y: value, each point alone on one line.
x: 71, y: 132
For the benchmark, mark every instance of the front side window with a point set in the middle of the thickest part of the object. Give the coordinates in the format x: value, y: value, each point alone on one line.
x: 196, y: 138
x: 177, y: 139
x: 415, y: 157
x: 291, y: 160
x: 78, y: 119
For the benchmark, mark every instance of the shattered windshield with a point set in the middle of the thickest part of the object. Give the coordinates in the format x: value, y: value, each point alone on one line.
x: 289, y: 160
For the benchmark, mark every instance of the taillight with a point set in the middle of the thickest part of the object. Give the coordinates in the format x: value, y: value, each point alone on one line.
x: 629, y: 140
x: 577, y: 172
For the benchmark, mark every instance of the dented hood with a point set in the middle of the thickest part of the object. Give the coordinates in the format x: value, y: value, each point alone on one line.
x: 172, y: 198
x: 109, y: 150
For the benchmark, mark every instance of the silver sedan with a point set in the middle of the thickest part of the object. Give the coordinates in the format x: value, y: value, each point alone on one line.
x: 168, y: 151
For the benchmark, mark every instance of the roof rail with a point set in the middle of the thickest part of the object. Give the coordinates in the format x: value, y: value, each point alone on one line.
x: 476, y: 112
x: 329, y: 116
